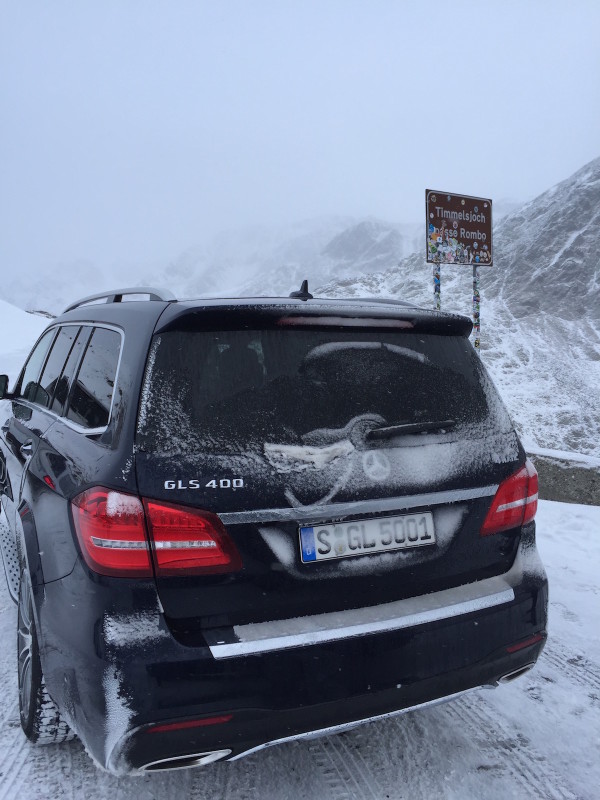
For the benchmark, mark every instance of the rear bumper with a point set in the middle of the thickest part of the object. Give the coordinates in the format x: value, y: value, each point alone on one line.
x: 244, y: 640
x: 131, y: 674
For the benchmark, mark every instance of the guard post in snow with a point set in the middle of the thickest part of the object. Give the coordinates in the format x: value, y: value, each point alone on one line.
x: 458, y: 233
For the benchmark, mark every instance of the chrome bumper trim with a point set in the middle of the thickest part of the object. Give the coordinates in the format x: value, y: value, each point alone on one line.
x: 184, y: 762
x: 347, y: 726
x: 338, y: 510
x: 285, y: 634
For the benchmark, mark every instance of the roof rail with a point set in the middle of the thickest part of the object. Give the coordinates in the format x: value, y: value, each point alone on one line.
x: 116, y: 296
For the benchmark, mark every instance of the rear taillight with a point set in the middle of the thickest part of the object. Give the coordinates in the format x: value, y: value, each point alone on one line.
x: 515, y: 502
x: 118, y: 533
x: 111, y: 532
x: 187, y: 541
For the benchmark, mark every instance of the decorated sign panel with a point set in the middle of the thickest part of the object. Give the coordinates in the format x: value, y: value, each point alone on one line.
x: 459, y: 228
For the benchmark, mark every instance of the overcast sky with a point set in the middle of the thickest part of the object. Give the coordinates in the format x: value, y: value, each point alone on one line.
x: 131, y: 130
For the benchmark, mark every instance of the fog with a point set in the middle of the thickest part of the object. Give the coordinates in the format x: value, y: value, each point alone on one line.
x: 132, y: 131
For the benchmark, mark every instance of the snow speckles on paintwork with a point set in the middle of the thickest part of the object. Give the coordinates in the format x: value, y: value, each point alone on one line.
x: 118, y: 712
x: 406, y: 613
x: 145, y: 394
x: 123, y: 630
x: 296, y: 458
x: 528, y: 559
x: 283, y: 547
x: 447, y: 521
x: 126, y: 471
x: 118, y: 504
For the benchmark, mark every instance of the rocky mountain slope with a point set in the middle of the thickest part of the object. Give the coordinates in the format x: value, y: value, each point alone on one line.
x: 548, y: 252
x: 275, y: 261
x: 540, y: 310
x: 251, y: 261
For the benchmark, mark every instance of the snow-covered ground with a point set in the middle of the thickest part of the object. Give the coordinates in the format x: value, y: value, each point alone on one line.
x: 18, y: 332
x: 537, y: 737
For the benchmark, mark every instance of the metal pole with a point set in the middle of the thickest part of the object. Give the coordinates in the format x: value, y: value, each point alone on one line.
x: 437, y: 299
x: 476, y: 309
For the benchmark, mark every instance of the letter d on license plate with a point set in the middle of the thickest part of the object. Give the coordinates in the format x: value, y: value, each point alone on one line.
x: 361, y: 537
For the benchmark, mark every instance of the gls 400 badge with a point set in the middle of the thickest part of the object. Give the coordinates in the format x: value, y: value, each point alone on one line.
x: 214, y: 483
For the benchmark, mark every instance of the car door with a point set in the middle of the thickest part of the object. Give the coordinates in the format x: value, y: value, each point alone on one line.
x: 19, y: 424
x: 33, y: 407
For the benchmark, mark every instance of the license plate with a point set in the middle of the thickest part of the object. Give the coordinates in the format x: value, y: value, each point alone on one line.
x: 360, y: 537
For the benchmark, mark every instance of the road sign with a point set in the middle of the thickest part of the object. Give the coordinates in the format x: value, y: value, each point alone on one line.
x: 458, y: 229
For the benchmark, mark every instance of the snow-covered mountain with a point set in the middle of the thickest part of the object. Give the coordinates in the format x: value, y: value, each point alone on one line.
x: 540, y: 310
x: 258, y: 260
x: 252, y: 261
x: 275, y: 261
x: 548, y: 251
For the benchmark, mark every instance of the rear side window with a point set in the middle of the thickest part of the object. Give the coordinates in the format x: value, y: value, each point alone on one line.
x: 63, y: 384
x: 29, y: 383
x: 54, y: 365
x: 92, y: 392
x: 235, y: 391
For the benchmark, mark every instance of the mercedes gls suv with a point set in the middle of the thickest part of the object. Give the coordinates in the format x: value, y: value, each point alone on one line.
x: 232, y: 523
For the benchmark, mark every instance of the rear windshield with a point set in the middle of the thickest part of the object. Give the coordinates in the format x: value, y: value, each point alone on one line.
x: 233, y: 391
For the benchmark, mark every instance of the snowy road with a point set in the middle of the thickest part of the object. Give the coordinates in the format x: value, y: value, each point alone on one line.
x: 538, y: 737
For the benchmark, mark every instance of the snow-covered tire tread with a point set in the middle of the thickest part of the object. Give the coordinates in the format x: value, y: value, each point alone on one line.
x: 40, y: 718
x: 49, y: 726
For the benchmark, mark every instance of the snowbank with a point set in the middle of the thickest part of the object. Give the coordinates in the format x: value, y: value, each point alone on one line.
x: 18, y: 332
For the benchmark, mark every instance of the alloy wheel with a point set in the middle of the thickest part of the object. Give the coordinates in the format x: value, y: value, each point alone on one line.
x: 24, y: 644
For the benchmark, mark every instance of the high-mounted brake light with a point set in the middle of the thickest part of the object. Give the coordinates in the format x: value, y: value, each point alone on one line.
x: 111, y: 532
x: 188, y: 541
x: 345, y: 322
x: 515, y: 502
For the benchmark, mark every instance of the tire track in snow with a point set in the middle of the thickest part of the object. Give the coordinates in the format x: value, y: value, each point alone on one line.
x: 524, y: 764
x: 209, y: 782
x: 344, y: 769
x: 176, y: 784
x: 406, y: 756
x: 12, y: 712
x: 36, y: 771
x: 68, y: 766
x: 227, y: 781
x: 15, y: 764
x: 574, y: 665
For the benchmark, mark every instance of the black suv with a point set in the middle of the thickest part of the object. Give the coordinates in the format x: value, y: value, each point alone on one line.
x: 233, y: 523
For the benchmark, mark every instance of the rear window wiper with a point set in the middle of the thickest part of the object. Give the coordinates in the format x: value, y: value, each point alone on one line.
x: 404, y: 429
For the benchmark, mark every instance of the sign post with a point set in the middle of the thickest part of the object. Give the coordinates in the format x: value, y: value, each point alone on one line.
x: 458, y: 232
x: 476, y: 309
x: 437, y: 287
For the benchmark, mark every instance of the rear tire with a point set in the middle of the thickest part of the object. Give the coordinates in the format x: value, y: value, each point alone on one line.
x: 40, y: 718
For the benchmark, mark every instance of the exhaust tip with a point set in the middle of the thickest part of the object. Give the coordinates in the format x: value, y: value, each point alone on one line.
x: 186, y: 762
x: 516, y: 673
